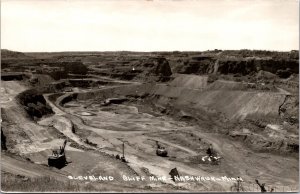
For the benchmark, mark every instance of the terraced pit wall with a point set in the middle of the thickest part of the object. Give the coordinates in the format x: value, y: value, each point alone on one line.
x: 224, y: 107
x: 235, y: 104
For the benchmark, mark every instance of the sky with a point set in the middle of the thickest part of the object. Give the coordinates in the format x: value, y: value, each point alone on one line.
x: 149, y: 25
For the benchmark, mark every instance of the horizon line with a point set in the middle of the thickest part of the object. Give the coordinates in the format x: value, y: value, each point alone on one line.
x: 73, y: 51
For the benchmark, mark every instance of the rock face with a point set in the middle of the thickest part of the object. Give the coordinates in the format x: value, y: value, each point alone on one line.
x: 196, y: 65
x: 143, y: 68
x: 162, y: 67
x: 204, y: 65
x: 289, y: 109
x: 154, y: 68
x: 34, y: 103
x: 12, y: 76
x: 75, y: 67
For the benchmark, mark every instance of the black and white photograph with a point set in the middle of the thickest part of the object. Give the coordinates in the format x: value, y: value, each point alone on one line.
x: 149, y: 96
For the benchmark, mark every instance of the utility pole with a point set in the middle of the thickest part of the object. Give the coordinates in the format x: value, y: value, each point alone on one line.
x: 238, y: 184
x: 123, y: 150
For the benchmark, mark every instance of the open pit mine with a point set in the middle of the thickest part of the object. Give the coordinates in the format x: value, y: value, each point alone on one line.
x: 212, y: 121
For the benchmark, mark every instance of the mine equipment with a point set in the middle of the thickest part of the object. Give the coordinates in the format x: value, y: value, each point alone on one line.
x: 238, y: 185
x: 174, y: 173
x: 109, y: 101
x: 214, y: 160
x: 212, y: 156
x: 123, y: 156
x: 161, y: 151
x: 262, y: 186
x: 3, y: 140
x: 58, y: 157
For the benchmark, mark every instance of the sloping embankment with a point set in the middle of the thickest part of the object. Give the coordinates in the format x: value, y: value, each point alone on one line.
x: 207, y: 105
x: 235, y: 104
